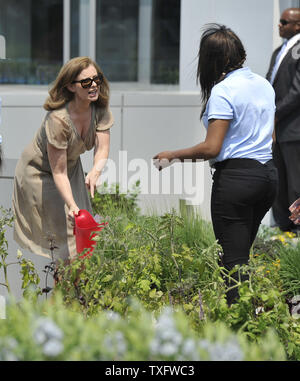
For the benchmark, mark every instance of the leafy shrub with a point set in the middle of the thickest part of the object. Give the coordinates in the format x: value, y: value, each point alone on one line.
x: 290, y: 269
x: 50, y: 331
x: 144, y: 258
x: 167, y: 263
x: 110, y: 201
x: 30, y: 277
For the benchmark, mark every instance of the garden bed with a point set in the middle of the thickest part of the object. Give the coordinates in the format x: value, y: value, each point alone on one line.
x: 154, y: 290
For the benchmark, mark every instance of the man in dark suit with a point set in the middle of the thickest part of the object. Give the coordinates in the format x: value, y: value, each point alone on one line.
x: 284, y: 74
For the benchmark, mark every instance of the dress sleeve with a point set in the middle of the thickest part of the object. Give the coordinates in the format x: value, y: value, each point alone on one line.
x: 104, y: 119
x: 57, y: 131
x: 219, y: 105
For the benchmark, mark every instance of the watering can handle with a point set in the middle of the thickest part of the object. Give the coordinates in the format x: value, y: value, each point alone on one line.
x: 74, y: 230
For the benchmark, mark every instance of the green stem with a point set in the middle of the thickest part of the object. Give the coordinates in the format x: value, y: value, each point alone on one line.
x: 6, y: 278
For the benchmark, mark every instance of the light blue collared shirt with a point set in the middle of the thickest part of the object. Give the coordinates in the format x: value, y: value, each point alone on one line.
x: 248, y: 100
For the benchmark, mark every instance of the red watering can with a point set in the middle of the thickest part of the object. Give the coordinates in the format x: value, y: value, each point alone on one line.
x: 84, y: 227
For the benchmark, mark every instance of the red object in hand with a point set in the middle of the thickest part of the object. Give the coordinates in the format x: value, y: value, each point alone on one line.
x: 84, y: 227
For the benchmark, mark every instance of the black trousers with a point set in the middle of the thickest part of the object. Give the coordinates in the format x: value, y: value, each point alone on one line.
x: 287, y: 160
x: 243, y: 192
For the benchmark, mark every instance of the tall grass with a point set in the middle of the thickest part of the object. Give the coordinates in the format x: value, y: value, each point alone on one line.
x: 195, y: 232
x: 290, y: 269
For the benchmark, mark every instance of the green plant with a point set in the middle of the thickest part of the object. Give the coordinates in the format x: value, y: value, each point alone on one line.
x: 261, y: 305
x: 30, y: 278
x: 47, y: 331
x: 110, y: 201
x: 142, y: 257
x: 290, y: 269
x: 6, y: 221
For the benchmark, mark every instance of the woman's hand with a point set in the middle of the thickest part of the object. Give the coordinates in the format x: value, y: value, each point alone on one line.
x: 91, y: 181
x: 163, y: 159
x: 209, y: 149
x: 295, y: 210
x: 73, y: 211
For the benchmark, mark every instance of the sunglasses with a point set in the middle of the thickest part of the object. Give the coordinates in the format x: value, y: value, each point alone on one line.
x: 86, y: 83
x: 285, y: 22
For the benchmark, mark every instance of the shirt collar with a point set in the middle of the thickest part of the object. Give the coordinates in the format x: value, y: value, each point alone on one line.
x: 236, y: 71
x: 292, y: 41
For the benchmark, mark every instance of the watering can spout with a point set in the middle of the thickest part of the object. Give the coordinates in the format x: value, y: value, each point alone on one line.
x: 84, y: 231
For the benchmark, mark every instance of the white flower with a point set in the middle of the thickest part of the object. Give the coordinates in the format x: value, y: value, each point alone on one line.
x: 113, y: 316
x: 46, y: 329
x: 39, y: 336
x: 189, y: 351
x: 229, y: 351
x: 52, y: 348
x: 49, y: 336
x: 115, y: 343
x: 7, y: 346
x: 168, y: 349
x: 166, y: 334
x: 189, y: 348
x: 167, y: 339
x: 155, y: 346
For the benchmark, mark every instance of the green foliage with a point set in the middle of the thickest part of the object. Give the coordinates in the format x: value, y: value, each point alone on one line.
x: 290, y: 269
x: 145, y: 258
x: 174, y: 260
x: 49, y: 331
x: 6, y: 221
x: 166, y: 263
x: 29, y: 275
x: 110, y: 201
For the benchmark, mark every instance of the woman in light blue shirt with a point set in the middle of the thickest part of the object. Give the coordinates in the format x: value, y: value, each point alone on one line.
x: 238, y: 113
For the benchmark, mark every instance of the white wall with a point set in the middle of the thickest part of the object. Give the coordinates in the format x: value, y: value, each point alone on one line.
x: 145, y: 124
x: 251, y: 20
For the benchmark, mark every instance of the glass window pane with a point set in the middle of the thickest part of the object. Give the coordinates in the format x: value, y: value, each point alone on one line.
x: 74, y: 28
x: 33, y: 30
x: 117, y: 39
x: 165, y: 41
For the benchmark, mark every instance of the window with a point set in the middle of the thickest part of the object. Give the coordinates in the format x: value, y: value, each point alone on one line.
x: 134, y: 41
x: 138, y: 40
x: 116, y: 39
x: 34, y: 39
x: 74, y: 36
x: 165, y: 41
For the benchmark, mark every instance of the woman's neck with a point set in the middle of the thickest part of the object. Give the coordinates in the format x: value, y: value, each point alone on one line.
x: 78, y: 106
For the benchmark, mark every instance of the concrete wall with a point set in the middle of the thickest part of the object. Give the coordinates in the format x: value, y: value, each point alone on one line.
x: 145, y: 124
x: 251, y: 20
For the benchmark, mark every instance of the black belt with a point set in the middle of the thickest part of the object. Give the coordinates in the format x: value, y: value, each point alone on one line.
x: 239, y: 164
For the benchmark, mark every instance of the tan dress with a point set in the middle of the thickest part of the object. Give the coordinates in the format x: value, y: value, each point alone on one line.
x: 40, y: 212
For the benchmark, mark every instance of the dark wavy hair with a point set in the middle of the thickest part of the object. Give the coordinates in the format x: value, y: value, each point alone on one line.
x: 220, y: 52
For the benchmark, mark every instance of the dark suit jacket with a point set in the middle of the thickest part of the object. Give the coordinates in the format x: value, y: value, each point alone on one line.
x: 287, y: 88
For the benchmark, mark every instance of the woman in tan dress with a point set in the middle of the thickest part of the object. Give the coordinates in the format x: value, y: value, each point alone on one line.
x: 49, y: 185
